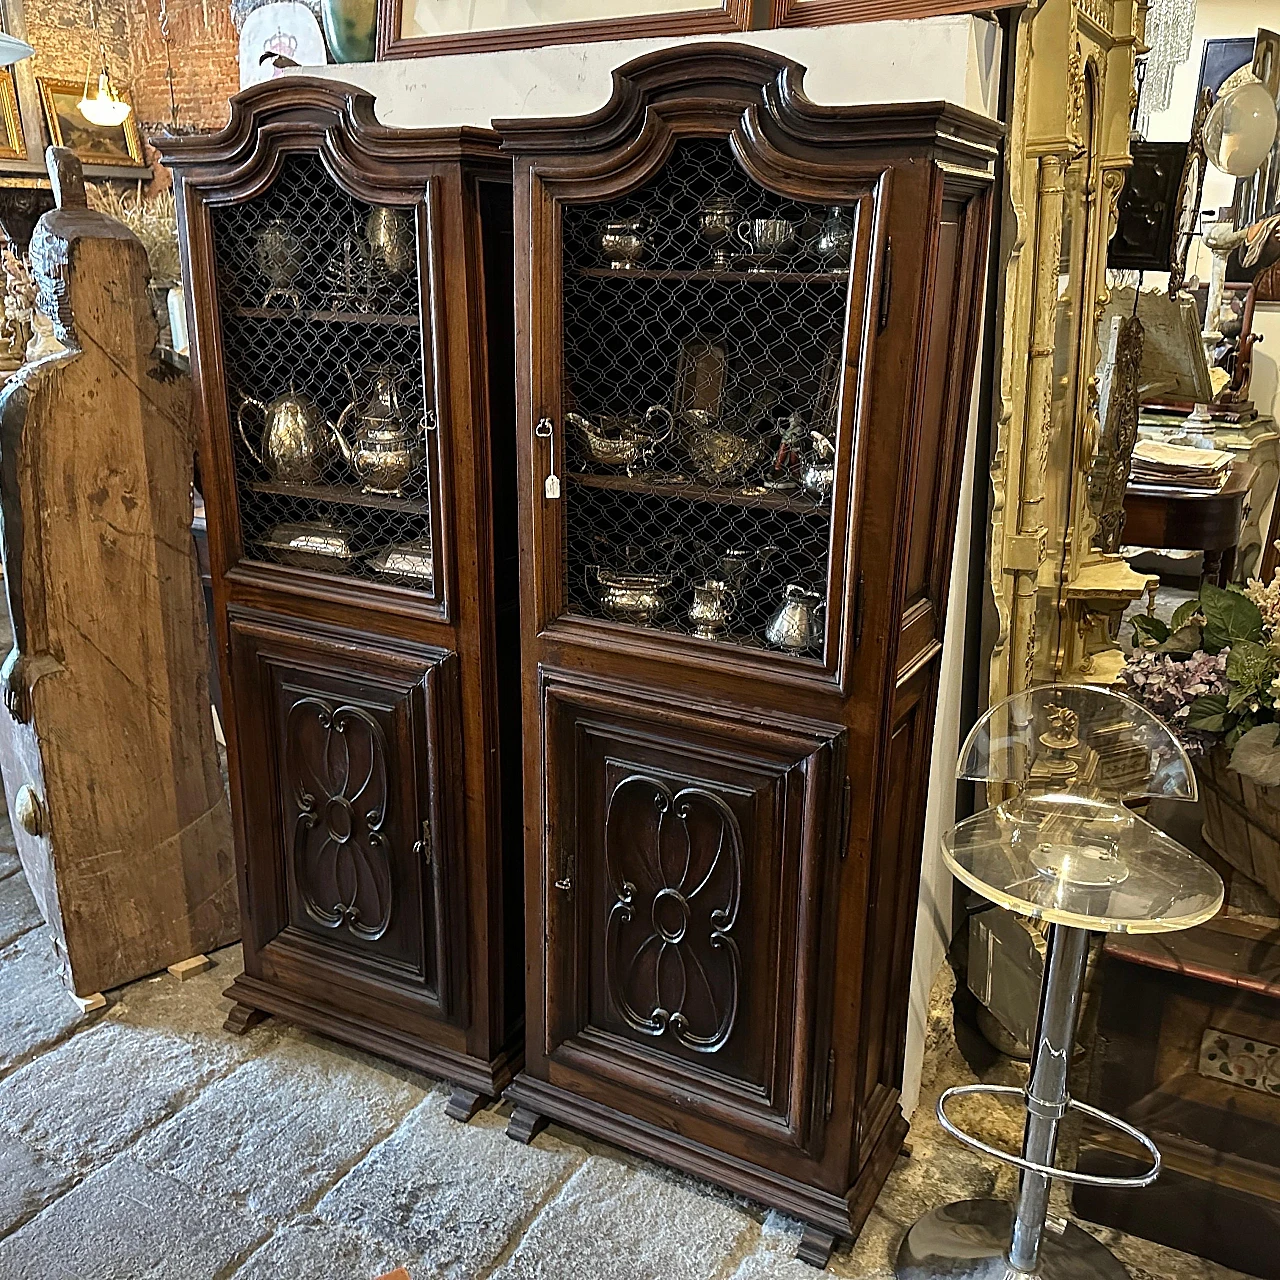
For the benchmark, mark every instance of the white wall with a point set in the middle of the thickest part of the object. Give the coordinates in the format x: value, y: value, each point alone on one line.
x: 955, y: 59
x: 950, y: 58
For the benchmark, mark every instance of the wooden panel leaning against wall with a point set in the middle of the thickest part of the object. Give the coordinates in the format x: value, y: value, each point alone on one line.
x: 350, y: 338
x: 742, y: 390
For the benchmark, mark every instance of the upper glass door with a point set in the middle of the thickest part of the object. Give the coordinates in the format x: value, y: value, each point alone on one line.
x: 331, y: 414
x: 704, y: 339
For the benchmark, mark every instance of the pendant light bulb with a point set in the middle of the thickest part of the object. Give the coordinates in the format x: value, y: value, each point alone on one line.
x: 101, y: 105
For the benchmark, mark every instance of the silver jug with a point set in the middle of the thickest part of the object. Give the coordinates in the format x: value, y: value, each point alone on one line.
x: 712, y: 607
x: 386, y: 451
x: 795, y: 626
x: 818, y: 476
x: 835, y: 239
x: 294, y: 441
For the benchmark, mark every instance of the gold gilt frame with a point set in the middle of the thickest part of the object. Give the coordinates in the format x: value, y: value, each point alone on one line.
x: 14, y: 144
x: 1057, y: 599
x: 53, y: 90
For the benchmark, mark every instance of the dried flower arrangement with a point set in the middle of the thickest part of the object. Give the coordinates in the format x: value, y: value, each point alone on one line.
x: 153, y: 220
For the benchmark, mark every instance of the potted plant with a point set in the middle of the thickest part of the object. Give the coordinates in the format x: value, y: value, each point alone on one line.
x: 1212, y: 674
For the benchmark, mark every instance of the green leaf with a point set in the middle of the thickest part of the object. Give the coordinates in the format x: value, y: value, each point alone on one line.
x: 1257, y: 756
x: 1208, y: 712
x: 1149, y: 630
x: 1183, y: 614
x: 1249, y: 666
x: 1229, y: 617
x: 1185, y: 640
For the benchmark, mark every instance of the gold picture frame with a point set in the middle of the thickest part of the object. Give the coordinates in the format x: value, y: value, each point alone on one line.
x: 14, y: 144
x: 118, y: 144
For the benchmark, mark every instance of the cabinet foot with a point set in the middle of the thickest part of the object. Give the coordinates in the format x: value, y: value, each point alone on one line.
x: 464, y: 1103
x: 815, y: 1246
x: 242, y: 1019
x: 525, y: 1125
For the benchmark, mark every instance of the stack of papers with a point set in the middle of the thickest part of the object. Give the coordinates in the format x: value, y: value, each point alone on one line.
x: 1177, y: 466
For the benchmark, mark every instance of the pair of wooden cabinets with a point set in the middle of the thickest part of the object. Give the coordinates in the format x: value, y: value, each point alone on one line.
x: 580, y: 697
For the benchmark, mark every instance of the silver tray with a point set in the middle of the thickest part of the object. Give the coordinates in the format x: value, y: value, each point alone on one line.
x: 411, y: 561
x: 309, y: 544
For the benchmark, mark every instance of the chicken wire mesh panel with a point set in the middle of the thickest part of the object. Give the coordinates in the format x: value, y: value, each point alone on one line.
x: 704, y: 330
x: 322, y: 349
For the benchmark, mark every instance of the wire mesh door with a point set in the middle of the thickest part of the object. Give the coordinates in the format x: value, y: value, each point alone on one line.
x: 329, y: 405
x: 704, y: 336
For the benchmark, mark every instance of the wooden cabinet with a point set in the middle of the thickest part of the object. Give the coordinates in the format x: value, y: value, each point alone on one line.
x: 747, y: 337
x: 351, y: 337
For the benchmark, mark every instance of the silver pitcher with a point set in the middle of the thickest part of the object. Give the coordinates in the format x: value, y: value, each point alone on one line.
x: 717, y: 220
x: 835, y: 238
x: 623, y: 243
x: 294, y: 441
x: 818, y: 476
x: 795, y: 626
x: 626, y: 596
x: 712, y: 607
x: 622, y: 440
x: 386, y: 450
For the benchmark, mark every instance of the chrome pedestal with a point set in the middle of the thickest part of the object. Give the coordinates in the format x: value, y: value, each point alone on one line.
x: 988, y: 1239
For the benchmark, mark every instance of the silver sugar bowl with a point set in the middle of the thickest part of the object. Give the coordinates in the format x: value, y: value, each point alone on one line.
x: 625, y: 596
x: 623, y: 243
x: 717, y: 220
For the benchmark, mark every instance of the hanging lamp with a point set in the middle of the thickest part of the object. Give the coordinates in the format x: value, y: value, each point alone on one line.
x: 100, y: 103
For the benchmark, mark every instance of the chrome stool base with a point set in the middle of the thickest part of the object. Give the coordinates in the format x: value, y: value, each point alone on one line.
x: 969, y: 1240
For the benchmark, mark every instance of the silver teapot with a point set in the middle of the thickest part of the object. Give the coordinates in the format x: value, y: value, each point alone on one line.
x: 721, y: 453
x: 386, y: 451
x: 818, y: 476
x: 795, y: 626
x: 295, y: 436
x: 628, y: 596
x: 622, y: 440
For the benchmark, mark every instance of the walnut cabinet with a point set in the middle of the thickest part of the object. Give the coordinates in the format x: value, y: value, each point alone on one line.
x: 746, y: 336
x: 351, y: 280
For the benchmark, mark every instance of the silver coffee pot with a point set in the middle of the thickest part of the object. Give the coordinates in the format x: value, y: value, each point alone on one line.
x: 386, y: 450
x: 294, y: 441
x: 796, y: 625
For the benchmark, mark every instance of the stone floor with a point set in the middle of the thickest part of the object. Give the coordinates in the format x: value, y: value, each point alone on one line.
x: 144, y: 1142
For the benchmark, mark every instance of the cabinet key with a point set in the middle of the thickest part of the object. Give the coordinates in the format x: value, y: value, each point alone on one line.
x: 545, y: 430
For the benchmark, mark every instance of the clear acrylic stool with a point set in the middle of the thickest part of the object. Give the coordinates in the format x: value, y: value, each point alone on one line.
x: 1082, y: 864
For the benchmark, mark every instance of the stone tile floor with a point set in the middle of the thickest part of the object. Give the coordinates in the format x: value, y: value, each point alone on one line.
x: 144, y: 1142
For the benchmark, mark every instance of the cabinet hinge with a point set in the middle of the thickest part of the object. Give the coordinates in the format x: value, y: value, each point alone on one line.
x: 886, y: 282
x: 424, y: 848
x: 846, y: 808
x: 858, y: 596
x: 829, y: 1104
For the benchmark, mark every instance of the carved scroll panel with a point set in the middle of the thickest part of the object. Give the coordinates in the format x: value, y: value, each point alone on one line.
x: 348, y: 758
x: 682, y: 896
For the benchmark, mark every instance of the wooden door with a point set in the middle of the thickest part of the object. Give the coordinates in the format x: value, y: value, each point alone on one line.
x: 348, y: 757
x: 684, y: 864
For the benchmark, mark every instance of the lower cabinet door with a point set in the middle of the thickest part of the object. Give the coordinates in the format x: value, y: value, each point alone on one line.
x: 348, y: 753
x: 684, y: 862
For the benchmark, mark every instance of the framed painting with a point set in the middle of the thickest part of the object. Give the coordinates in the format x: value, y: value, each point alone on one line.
x: 1221, y: 58
x: 419, y: 28
x: 92, y: 143
x: 823, y: 13
x: 13, y: 146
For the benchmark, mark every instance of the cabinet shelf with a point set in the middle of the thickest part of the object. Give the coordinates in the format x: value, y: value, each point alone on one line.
x: 343, y: 495
x: 371, y: 318
x: 717, y: 277
x: 695, y: 491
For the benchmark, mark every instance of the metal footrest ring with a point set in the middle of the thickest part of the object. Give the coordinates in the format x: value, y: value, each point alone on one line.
x: 1144, y: 1179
